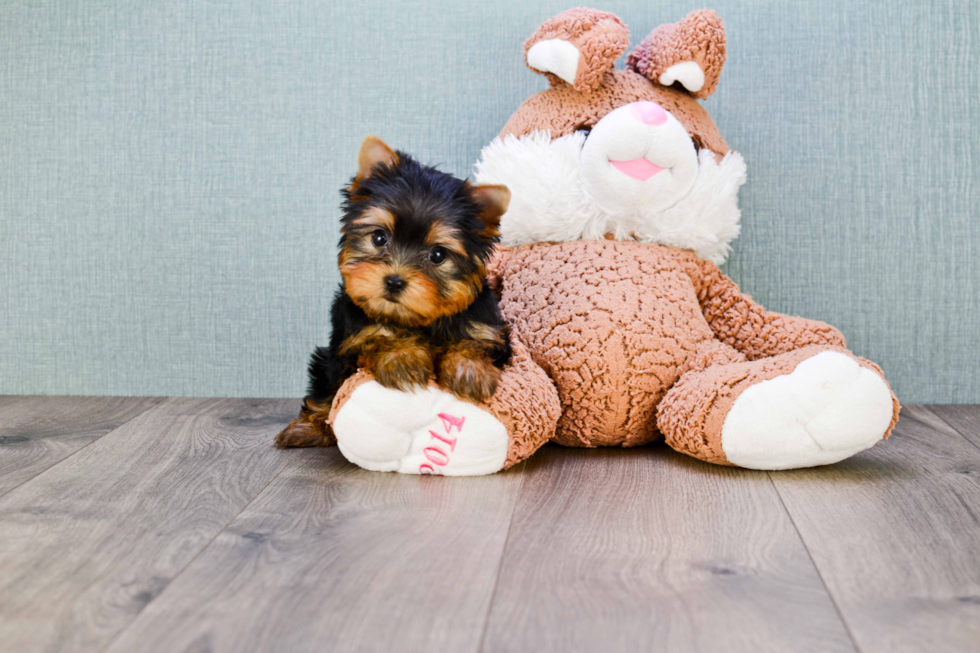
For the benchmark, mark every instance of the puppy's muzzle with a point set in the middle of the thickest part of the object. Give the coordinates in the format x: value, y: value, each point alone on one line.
x: 394, y: 284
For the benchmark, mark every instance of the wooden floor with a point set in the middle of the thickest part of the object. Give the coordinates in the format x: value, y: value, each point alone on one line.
x: 169, y: 525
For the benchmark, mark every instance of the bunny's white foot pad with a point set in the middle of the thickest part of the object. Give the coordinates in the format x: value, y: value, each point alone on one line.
x: 428, y: 431
x: 827, y: 409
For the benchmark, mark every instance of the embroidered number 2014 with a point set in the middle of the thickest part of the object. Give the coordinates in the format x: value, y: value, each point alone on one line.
x: 436, y: 452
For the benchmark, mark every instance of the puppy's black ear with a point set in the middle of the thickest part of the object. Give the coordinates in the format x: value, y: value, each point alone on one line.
x: 494, y: 199
x: 374, y: 153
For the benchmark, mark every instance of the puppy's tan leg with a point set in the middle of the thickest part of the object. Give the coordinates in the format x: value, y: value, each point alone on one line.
x: 467, y: 371
x: 397, y: 361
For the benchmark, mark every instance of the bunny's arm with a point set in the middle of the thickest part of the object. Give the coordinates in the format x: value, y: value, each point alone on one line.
x: 739, y: 322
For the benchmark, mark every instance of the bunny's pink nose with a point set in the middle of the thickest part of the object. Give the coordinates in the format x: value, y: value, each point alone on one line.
x: 649, y: 113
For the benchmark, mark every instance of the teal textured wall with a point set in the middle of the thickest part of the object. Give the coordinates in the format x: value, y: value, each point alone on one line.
x: 169, y: 173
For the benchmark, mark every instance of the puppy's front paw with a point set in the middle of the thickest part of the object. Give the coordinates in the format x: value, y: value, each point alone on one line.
x: 402, y: 368
x: 468, y: 377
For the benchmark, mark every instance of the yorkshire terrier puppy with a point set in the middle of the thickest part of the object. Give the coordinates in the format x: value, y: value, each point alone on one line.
x: 413, y: 302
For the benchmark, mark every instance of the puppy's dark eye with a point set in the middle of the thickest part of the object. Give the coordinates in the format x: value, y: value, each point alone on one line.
x: 379, y: 239
x: 437, y: 255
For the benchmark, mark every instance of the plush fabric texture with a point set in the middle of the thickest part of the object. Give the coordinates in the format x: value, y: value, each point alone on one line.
x: 525, y: 403
x: 425, y: 431
x: 555, y: 58
x: 549, y: 201
x: 640, y: 336
x: 739, y: 322
x: 616, y: 324
x: 827, y: 409
x: 700, y: 38
x: 692, y: 415
x: 562, y: 110
x: 599, y: 36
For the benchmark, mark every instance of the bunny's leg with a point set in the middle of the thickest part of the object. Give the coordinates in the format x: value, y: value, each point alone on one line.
x: 812, y: 406
x: 431, y: 431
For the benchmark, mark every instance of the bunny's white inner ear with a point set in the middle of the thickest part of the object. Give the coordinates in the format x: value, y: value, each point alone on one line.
x: 688, y: 73
x: 556, y: 56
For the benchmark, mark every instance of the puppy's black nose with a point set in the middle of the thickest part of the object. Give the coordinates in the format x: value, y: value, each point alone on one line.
x: 394, y: 283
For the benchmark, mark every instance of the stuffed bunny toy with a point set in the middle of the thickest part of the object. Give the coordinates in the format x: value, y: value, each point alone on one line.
x: 624, y: 198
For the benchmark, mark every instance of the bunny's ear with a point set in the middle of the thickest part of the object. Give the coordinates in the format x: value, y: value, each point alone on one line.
x: 578, y: 47
x: 691, y: 52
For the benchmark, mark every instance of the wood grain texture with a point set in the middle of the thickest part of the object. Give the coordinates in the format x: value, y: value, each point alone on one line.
x: 331, y: 557
x: 38, y: 432
x: 648, y: 550
x: 895, y: 534
x: 964, y: 419
x: 88, y: 544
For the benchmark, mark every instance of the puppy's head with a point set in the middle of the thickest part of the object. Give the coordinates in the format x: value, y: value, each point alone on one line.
x: 415, y: 240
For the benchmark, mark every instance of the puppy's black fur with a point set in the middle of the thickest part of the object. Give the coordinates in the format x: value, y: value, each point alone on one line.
x: 414, y: 300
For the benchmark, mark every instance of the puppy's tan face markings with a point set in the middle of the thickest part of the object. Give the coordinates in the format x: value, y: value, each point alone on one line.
x: 360, y: 236
x: 422, y: 302
x: 434, y: 286
x: 443, y: 235
x: 408, y: 256
x: 376, y: 217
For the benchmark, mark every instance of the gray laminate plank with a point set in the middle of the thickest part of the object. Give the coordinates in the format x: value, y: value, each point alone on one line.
x: 87, y: 544
x: 38, y: 432
x: 335, y: 558
x: 648, y: 550
x: 963, y: 418
x: 895, y: 534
